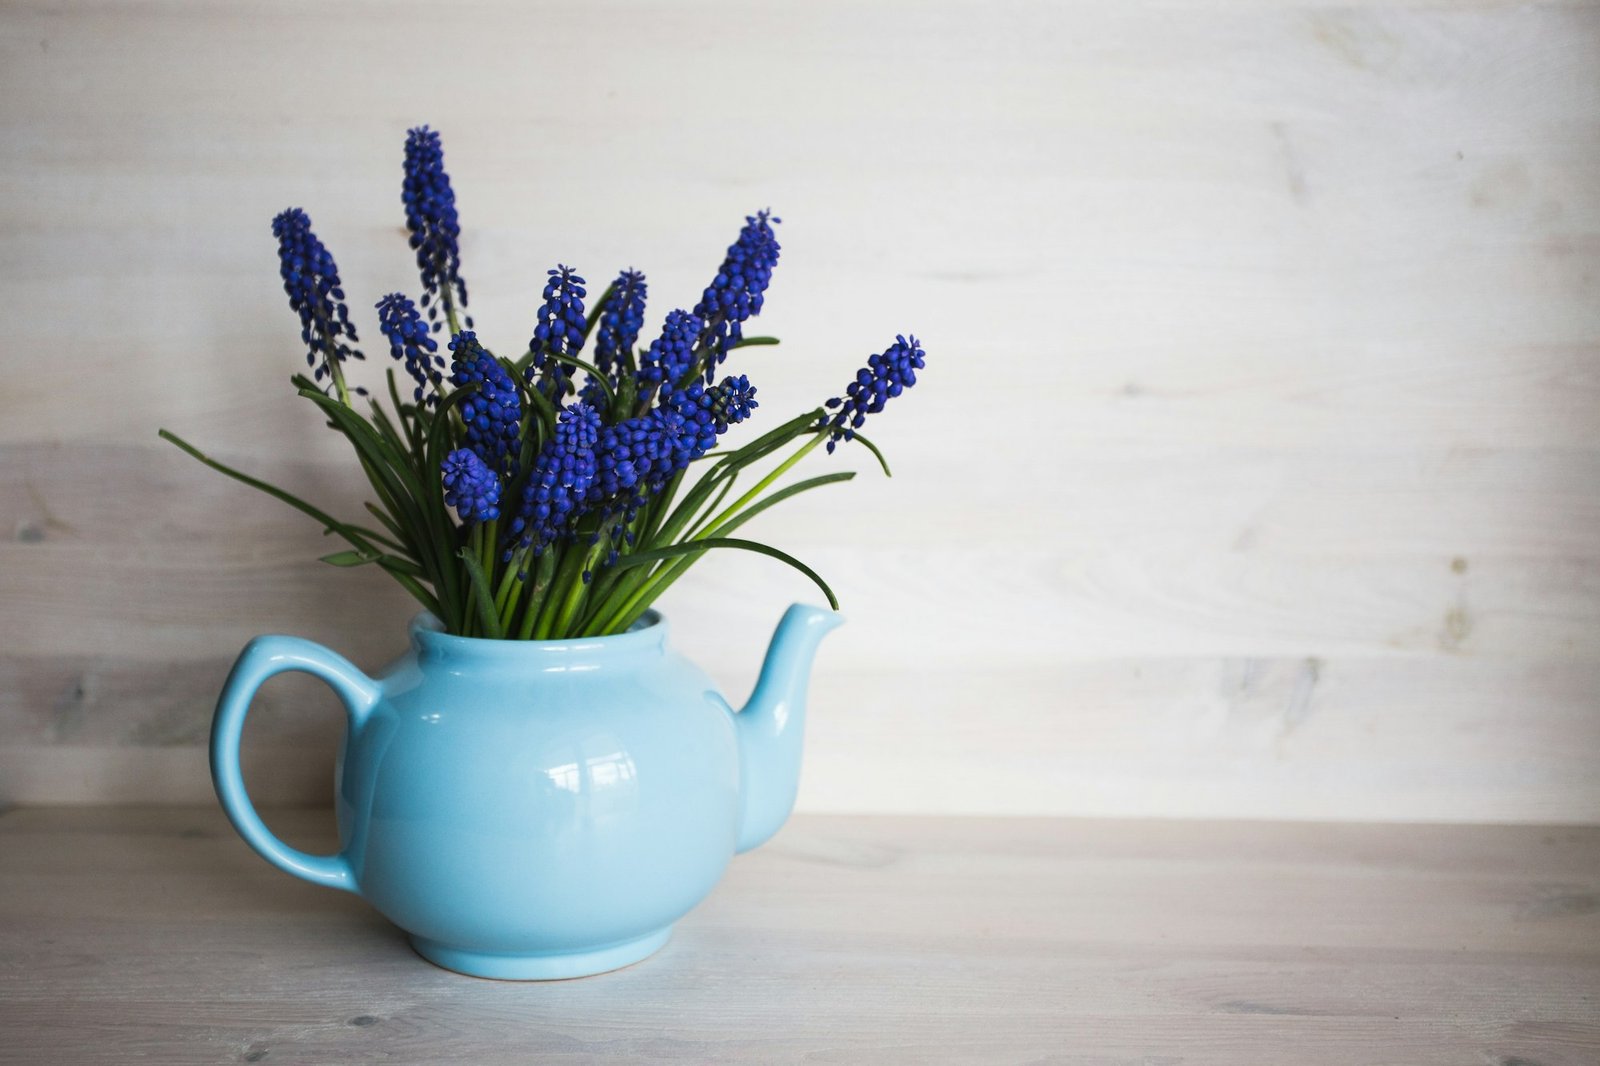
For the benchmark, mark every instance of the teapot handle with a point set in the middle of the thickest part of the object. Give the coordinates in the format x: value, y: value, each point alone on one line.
x: 262, y: 658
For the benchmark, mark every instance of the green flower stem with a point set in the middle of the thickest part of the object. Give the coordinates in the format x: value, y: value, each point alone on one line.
x: 618, y: 584
x: 577, y: 590
x: 667, y: 529
x: 637, y: 598
x: 484, y: 559
x: 608, y: 611
x: 661, y: 506
x: 588, y: 368
x: 338, y: 381
x: 334, y: 369
x: 487, y: 620
x: 450, y: 308
x: 569, y: 573
x: 404, y: 412
x: 716, y: 502
x: 398, y: 517
x: 646, y: 592
x: 377, y: 538
x: 487, y: 552
x: 761, y: 486
x: 536, y: 595
x: 504, y: 600
x: 606, y: 582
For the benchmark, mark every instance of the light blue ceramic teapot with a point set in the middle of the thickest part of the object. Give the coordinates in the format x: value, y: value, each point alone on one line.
x: 537, y: 809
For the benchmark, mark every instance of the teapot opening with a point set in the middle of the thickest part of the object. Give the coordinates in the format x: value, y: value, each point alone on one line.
x: 649, y: 633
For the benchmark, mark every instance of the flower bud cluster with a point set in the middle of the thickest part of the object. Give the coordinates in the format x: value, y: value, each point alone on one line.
x: 311, y: 279
x: 492, y: 414
x: 884, y: 377
x: 432, y: 222
x: 410, y: 341
x: 470, y: 487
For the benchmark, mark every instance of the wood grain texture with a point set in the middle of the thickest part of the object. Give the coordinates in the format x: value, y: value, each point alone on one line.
x: 155, y: 935
x: 1256, y: 471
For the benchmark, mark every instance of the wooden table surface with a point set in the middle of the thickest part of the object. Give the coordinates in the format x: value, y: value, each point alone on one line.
x: 154, y: 935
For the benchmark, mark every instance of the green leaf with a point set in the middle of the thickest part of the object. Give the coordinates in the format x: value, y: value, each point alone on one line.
x: 390, y: 434
x: 397, y: 568
x: 439, y: 528
x: 429, y: 602
x: 783, y: 494
x: 349, y: 558
x: 374, y: 536
x: 729, y: 464
x: 754, y: 342
x: 386, y: 464
x: 405, y: 412
x: 383, y: 516
x: 873, y: 448
x: 716, y: 502
x: 696, y: 547
x: 769, y: 442
x: 481, y: 596
x: 536, y: 400
x: 401, y: 490
x: 359, y: 558
x: 592, y: 370
x: 328, y: 521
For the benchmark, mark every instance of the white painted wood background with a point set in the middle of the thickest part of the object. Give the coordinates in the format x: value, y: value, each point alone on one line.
x: 1255, y: 472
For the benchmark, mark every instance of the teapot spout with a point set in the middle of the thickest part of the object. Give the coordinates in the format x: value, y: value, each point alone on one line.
x: 772, y: 724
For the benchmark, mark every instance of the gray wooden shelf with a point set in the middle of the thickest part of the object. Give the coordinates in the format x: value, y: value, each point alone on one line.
x: 154, y: 935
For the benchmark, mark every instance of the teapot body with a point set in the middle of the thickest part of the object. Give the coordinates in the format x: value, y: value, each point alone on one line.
x: 537, y: 800
x: 522, y: 809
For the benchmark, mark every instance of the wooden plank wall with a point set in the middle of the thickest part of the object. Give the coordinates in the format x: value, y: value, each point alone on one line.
x: 1254, y: 472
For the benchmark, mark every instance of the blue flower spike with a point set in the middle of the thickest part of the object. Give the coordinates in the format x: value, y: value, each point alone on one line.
x: 311, y: 279
x: 410, y: 342
x: 884, y: 377
x: 737, y: 292
x: 560, y: 482
x: 470, y: 487
x: 434, y: 226
x: 670, y: 355
x: 621, y: 318
x: 560, y: 325
x: 732, y: 402
x: 491, y: 415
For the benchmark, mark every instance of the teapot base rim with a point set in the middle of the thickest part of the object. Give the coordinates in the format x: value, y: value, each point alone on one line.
x: 543, y: 966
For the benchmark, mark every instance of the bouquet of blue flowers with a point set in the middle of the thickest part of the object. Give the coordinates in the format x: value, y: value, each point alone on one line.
x: 513, y: 500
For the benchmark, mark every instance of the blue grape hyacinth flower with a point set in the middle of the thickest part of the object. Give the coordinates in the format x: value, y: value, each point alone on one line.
x: 637, y: 456
x: 311, y: 279
x: 739, y: 289
x: 559, y: 485
x: 689, y: 418
x: 560, y: 325
x: 470, y: 487
x: 732, y: 402
x: 431, y: 218
x: 670, y: 355
x: 410, y: 342
x: 621, y: 317
x: 561, y: 321
x: 884, y: 377
x: 492, y: 414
